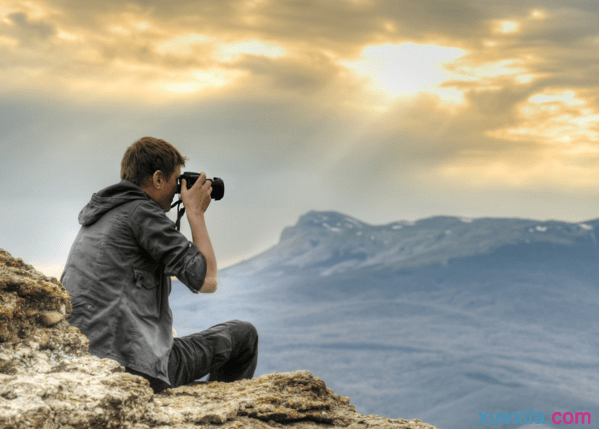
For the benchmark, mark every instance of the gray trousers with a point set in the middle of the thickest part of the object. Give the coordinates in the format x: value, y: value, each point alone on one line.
x: 228, y: 352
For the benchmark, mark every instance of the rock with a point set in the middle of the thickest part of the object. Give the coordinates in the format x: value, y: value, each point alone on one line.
x: 292, y: 399
x: 47, y: 377
x: 50, y: 318
x: 24, y: 293
x: 49, y: 380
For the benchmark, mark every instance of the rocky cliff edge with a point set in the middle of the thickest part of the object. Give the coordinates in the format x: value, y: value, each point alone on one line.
x: 49, y: 380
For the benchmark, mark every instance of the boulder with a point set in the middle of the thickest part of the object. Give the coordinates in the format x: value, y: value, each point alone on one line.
x: 49, y: 380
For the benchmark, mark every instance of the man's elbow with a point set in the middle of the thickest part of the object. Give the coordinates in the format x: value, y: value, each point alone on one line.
x: 210, y: 285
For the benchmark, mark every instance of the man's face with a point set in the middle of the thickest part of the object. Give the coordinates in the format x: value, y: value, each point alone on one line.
x: 167, y: 193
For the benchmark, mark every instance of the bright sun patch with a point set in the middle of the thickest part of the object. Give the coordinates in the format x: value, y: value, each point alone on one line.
x: 406, y: 69
x: 507, y: 27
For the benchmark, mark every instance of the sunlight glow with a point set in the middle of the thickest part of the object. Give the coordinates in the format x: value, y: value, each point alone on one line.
x: 555, y: 117
x: 561, y: 129
x: 222, y: 52
x: 68, y: 36
x: 196, y: 81
x: 565, y: 97
x: 406, y: 69
x: 494, y: 75
x: 491, y: 69
x: 507, y: 27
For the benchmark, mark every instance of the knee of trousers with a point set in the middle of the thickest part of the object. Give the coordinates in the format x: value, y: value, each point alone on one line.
x: 246, y: 329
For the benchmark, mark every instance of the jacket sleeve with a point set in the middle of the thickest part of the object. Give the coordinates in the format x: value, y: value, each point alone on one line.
x: 157, y: 234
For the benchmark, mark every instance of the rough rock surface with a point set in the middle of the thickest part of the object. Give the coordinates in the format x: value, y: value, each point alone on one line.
x: 49, y: 380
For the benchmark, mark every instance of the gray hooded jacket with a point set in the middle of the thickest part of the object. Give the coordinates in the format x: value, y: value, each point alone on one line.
x: 118, y: 274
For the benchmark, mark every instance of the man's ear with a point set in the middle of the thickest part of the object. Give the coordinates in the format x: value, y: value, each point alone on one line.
x: 158, y: 179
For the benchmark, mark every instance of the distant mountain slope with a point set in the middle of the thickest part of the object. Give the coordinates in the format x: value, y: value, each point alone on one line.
x: 437, y: 319
x: 328, y: 242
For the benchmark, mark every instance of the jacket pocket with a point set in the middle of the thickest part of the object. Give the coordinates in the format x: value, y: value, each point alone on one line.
x: 145, y: 301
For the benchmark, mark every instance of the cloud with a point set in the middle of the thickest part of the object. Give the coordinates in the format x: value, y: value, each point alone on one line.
x: 259, y: 53
x: 27, y: 30
x: 161, y: 52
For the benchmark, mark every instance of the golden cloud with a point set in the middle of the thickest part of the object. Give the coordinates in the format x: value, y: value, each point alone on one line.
x: 520, y: 80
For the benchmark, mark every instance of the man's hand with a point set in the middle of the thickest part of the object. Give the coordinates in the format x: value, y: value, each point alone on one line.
x: 198, y: 197
x: 196, y: 201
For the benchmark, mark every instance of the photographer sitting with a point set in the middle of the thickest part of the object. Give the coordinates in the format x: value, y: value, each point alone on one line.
x: 119, y: 268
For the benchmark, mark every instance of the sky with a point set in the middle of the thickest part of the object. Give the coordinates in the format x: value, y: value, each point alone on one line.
x: 383, y: 110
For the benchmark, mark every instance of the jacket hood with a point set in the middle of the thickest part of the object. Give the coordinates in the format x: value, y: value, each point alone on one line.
x: 109, y: 198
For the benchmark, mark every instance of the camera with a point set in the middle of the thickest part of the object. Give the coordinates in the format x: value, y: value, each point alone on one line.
x: 218, y: 186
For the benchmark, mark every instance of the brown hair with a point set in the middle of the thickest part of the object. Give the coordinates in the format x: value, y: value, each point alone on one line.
x: 146, y: 156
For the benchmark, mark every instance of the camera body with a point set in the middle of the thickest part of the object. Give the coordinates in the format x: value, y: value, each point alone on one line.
x: 218, y: 186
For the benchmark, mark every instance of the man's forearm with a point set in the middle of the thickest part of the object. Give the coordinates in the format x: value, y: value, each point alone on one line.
x: 200, y: 237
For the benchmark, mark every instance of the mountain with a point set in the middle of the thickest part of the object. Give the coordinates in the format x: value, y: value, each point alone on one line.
x: 329, y: 243
x: 439, y: 319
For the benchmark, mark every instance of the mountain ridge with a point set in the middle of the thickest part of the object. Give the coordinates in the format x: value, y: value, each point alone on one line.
x: 329, y: 242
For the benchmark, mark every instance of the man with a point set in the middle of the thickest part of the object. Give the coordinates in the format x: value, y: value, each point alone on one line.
x: 119, y: 268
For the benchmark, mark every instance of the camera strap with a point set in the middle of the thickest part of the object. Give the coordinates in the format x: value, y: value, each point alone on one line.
x: 180, y: 213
